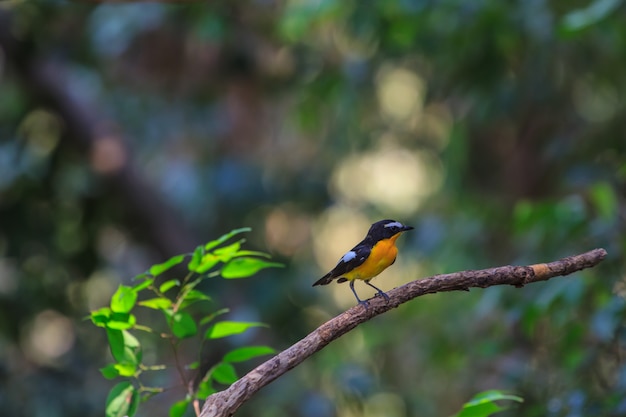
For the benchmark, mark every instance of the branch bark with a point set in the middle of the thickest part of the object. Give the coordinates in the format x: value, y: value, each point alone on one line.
x: 226, y: 403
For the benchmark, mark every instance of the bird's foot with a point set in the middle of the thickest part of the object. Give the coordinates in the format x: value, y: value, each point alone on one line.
x: 382, y: 294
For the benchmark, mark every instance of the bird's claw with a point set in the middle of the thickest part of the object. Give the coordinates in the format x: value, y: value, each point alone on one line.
x: 383, y: 294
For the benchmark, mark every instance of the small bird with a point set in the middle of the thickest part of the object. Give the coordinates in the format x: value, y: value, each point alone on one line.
x: 369, y: 258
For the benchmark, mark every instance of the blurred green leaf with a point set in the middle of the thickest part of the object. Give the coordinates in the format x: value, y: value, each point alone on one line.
x: 125, y: 369
x: 168, y: 285
x: 159, y: 303
x: 118, y: 369
x: 158, y: 269
x: 229, y: 328
x: 213, y: 315
x: 207, y: 262
x: 143, y: 285
x: 192, y: 297
x: 109, y: 371
x: 214, y: 243
x: 253, y: 253
x: 143, y: 275
x: 247, y: 352
x: 123, y: 300
x: 121, y: 321
x: 226, y: 253
x: 245, y: 267
x: 590, y: 15
x: 205, y: 389
x: 179, y: 407
x: 483, y: 404
x: 181, y: 323
x: 224, y: 373
x: 122, y: 401
x: 101, y: 316
x: 604, y: 200
x: 193, y: 264
x: 125, y: 348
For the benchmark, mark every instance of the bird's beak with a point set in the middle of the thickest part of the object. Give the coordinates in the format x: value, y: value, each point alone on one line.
x: 405, y: 228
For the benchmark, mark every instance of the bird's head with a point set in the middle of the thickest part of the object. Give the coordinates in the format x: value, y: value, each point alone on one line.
x: 384, y: 229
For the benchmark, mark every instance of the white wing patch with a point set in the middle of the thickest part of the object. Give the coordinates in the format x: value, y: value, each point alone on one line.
x: 394, y: 224
x: 348, y: 256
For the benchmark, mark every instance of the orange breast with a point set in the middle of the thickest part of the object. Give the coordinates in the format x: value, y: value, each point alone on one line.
x: 382, y: 255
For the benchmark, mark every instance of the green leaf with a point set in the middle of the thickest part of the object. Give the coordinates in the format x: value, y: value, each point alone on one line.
x: 227, y: 252
x: 123, y: 300
x: 179, y: 407
x: 143, y: 275
x: 247, y: 352
x: 604, y: 200
x: 125, y: 369
x: 145, y: 284
x: 196, y: 258
x: 229, y: 328
x: 483, y: 404
x: 205, y: 389
x: 253, y: 253
x: 244, y: 267
x: 123, y: 400
x: 160, y: 303
x: 213, y: 315
x: 181, y: 323
x: 224, y: 238
x: 594, y: 13
x: 169, y: 284
x: 193, y: 365
x: 109, y: 371
x: 207, y: 262
x: 121, y: 321
x: 192, y: 297
x: 101, y: 316
x: 224, y: 373
x: 125, y: 347
x: 158, y: 269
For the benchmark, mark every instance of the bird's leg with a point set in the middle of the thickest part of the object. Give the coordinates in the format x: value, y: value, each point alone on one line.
x: 381, y: 292
x: 361, y: 302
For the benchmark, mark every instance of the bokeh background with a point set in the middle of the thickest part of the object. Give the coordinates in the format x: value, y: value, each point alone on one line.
x: 134, y: 131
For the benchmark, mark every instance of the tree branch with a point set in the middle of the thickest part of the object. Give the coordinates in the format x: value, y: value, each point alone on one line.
x: 226, y: 403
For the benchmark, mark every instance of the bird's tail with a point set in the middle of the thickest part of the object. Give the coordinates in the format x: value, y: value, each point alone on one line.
x: 325, y: 280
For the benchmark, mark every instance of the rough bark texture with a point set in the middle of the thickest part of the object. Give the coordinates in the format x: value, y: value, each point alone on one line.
x: 226, y: 403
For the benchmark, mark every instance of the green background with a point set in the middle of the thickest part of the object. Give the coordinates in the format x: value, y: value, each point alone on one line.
x: 134, y: 131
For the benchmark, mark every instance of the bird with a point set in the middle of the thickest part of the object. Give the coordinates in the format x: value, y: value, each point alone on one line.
x: 369, y: 258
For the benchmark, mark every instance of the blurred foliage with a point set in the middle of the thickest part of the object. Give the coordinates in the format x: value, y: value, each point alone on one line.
x: 210, y: 260
x: 495, y: 128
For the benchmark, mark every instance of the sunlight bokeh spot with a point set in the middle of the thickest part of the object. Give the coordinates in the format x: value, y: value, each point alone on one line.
x: 49, y: 336
x: 42, y: 130
x: 595, y: 103
x: 286, y: 230
x: 395, y: 180
x: 385, y: 403
x: 400, y: 94
x: 99, y: 287
x: 108, y: 154
x: 436, y: 125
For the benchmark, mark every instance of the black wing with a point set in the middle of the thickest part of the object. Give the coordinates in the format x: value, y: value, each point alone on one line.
x: 361, y: 253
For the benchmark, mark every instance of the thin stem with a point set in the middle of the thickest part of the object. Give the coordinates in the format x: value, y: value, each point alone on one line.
x: 179, y: 367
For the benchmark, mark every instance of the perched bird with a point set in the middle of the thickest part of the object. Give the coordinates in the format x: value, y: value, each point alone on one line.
x: 369, y: 258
